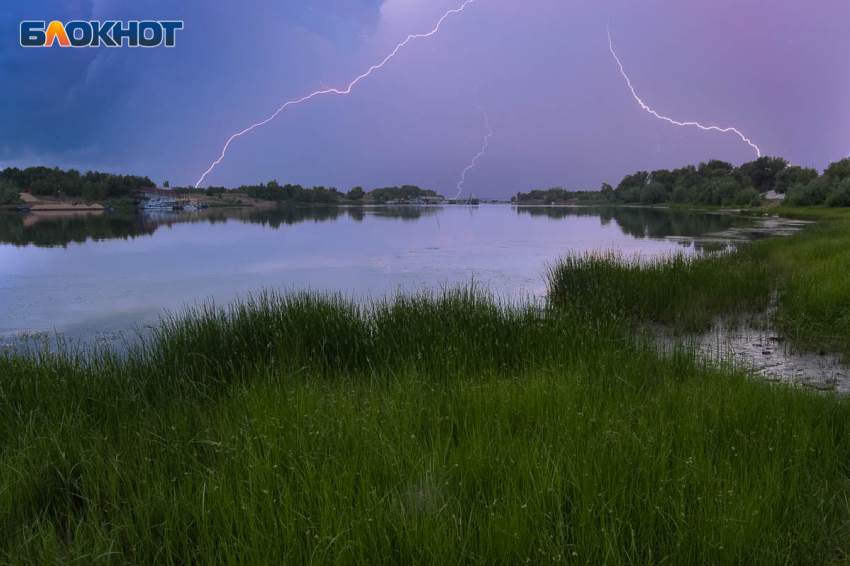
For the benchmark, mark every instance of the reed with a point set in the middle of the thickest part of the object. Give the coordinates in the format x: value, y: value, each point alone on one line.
x: 686, y: 291
x: 454, y: 427
x: 806, y: 277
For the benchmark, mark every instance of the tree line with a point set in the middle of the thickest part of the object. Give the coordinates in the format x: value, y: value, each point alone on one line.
x: 94, y: 186
x: 717, y: 183
x: 90, y: 186
x: 275, y: 192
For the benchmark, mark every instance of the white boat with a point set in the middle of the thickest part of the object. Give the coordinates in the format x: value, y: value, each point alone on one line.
x: 158, y: 203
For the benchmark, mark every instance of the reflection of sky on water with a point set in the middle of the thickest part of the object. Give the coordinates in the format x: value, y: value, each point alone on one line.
x: 133, y: 267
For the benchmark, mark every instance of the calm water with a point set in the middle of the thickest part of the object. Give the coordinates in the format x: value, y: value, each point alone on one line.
x: 102, y: 275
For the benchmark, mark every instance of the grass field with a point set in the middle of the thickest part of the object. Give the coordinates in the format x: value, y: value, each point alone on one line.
x: 449, y: 429
x: 807, y: 274
x: 686, y: 292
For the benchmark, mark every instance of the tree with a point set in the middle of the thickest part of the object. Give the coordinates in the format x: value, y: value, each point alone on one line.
x: 762, y: 171
x: 9, y: 192
x: 813, y: 194
x: 715, y: 168
x: 840, y: 196
x: 794, y: 175
x: 653, y: 193
x: 680, y: 194
x: 665, y: 177
x: 838, y: 170
x: 55, y: 182
x: 165, y: 184
x: 357, y: 193
x: 94, y: 192
x: 748, y: 197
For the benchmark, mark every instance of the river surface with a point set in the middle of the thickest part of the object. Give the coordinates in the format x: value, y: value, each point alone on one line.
x: 100, y: 276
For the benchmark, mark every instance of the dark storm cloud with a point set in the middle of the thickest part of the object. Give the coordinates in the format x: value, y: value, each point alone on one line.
x: 46, y: 105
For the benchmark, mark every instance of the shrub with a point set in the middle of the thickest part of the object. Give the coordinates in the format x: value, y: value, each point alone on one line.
x: 840, y: 196
x: 9, y: 193
x: 809, y: 195
x: 748, y: 197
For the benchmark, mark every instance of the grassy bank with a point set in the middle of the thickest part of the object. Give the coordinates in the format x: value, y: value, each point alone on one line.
x: 421, y: 430
x: 683, y: 291
x: 808, y: 274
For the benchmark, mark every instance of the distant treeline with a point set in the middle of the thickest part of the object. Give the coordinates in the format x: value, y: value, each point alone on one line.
x: 718, y: 183
x: 90, y: 186
x: 274, y: 191
x: 95, y: 186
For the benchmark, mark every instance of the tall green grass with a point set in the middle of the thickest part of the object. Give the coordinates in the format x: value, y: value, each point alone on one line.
x: 688, y: 292
x: 812, y: 272
x: 441, y: 429
x: 806, y: 276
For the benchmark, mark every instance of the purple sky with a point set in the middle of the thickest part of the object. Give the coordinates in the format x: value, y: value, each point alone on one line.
x: 778, y: 70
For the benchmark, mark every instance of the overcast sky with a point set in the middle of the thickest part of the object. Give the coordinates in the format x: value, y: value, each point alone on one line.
x: 562, y: 115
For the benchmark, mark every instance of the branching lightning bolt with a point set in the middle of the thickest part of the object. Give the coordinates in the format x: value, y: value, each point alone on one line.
x: 483, y: 149
x: 665, y: 118
x: 346, y: 90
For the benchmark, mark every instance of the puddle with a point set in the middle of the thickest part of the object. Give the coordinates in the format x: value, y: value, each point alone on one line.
x: 767, y: 354
x: 730, y: 238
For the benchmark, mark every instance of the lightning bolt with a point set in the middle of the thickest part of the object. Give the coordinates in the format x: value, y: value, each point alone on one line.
x: 346, y: 90
x: 665, y: 118
x: 483, y: 149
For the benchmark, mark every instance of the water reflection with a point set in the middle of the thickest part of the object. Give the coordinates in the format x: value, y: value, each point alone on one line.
x: 647, y: 222
x: 61, y: 229
x: 103, y: 274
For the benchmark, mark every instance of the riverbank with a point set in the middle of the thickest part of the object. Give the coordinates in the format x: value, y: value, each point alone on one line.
x: 806, y: 277
x: 443, y: 428
x: 421, y: 429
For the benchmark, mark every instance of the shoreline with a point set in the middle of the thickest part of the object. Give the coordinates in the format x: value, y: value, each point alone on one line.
x: 429, y: 427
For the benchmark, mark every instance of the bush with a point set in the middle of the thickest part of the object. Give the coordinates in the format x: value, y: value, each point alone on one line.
x: 748, y: 197
x: 653, y: 193
x: 9, y: 193
x: 840, y: 196
x: 814, y: 193
x: 357, y: 193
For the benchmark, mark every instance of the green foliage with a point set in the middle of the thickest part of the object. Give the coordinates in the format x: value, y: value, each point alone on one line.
x: 807, y: 273
x: 794, y: 175
x: 296, y: 194
x: 688, y: 292
x: 718, y: 183
x: 838, y: 170
x: 405, y: 192
x: 296, y: 429
x: 357, y: 193
x: 748, y: 197
x: 813, y: 282
x: 90, y: 186
x: 815, y: 193
x: 558, y: 194
x: 9, y: 192
x: 762, y: 172
x: 212, y: 191
x: 555, y: 194
x: 840, y: 196
x: 715, y: 183
x: 653, y: 193
x: 273, y: 191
